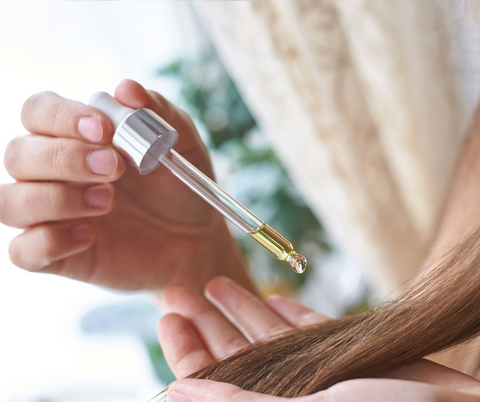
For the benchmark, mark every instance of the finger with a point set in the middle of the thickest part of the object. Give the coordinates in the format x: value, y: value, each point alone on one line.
x: 219, y: 336
x: 41, y: 247
x: 348, y: 391
x: 49, y: 114
x: 433, y: 373
x: 184, y: 350
x: 247, y: 312
x: 293, y: 312
x: 375, y: 390
x: 133, y: 95
x: 37, y: 157
x: 210, y: 391
x: 26, y: 204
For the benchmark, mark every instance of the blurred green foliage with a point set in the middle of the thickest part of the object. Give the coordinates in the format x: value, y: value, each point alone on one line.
x: 365, y: 304
x: 159, y: 362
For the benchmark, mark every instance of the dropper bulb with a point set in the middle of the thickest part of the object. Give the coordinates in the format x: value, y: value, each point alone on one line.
x: 298, y: 262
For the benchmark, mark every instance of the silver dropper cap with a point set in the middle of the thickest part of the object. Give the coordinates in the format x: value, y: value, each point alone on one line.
x: 141, y: 136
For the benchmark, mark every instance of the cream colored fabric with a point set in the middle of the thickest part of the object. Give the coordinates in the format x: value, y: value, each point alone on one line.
x: 365, y: 103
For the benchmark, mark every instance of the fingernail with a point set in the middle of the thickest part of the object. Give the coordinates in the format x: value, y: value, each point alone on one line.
x: 178, y: 397
x: 103, y: 161
x: 81, y: 233
x: 90, y: 128
x: 99, y: 196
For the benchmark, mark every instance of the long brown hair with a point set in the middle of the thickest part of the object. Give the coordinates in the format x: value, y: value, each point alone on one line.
x: 441, y: 311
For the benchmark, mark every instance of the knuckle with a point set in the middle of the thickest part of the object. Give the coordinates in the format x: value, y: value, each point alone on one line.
x: 167, y: 320
x: 30, y: 105
x: 59, y: 157
x: 61, y: 118
x: 309, y: 318
x: 48, y: 245
x: 193, y: 359
x: 56, y: 198
x: 11, y: 154
x: 22, y: 257
x: 184, y: 115
x: 165, y: 108
x: 437, y: 395
x: 4, y: 204
x: 233, y: 345
x: 239, y: 395
x: 341, y: 390
x: 329, y: 395
x: 16, y: 256
x: 26, y: 199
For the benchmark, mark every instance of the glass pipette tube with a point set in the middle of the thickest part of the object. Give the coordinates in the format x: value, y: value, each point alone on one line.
x: 206, y: 188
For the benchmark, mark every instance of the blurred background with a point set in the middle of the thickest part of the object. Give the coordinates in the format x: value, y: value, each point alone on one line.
x: 338, y: 124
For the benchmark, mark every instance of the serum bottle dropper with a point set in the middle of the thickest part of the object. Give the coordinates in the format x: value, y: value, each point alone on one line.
x: 146, y: 141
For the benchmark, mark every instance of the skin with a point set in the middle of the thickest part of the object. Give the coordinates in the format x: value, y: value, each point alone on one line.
x: 151, y: 230
x: 197, y: 333
x: 461, y: 214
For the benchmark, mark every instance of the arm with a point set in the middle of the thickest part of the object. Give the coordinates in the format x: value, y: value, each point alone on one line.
x: 461, y: 215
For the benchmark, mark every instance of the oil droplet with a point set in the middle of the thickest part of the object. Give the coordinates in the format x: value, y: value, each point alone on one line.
x: 298, y: 262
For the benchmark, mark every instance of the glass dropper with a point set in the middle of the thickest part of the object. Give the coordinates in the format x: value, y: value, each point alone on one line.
x: 146, y: 140
x: 233, y: 210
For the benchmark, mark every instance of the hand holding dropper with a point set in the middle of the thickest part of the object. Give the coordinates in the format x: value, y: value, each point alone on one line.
x: 146, y: 140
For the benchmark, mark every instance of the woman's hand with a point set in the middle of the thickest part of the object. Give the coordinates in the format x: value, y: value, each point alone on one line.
x: 196, y: 334
x: 90, y: 216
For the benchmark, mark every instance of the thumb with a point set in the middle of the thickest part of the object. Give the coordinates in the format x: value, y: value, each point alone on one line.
x: 135, y: 96
x: 211, y: 391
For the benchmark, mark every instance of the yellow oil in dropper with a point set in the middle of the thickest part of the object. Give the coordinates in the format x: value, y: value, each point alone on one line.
x: 280, y: 247
x: 273, y: 241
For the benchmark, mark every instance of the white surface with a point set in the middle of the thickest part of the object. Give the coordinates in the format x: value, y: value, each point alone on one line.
x: 74, y: 49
